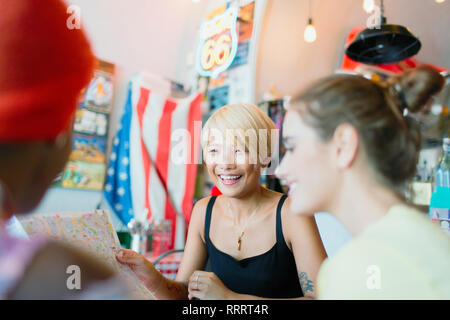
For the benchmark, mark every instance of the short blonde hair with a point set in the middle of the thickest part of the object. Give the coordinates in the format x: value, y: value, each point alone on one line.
x: 250, y: 126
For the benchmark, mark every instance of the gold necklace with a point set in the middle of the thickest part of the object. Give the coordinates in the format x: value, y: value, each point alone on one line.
x: 239, y: 241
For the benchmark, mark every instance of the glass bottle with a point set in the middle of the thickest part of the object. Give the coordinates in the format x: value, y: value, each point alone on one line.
x: 442, y: 175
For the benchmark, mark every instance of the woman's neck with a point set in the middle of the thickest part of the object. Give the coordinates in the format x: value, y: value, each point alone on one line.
x: 362, y: 202
x: 244, y: 206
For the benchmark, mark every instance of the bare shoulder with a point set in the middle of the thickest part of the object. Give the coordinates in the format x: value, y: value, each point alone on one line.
x: 199, y: 210
x: 274, y: 197
x: 198, y: 216
x: 295, y: 222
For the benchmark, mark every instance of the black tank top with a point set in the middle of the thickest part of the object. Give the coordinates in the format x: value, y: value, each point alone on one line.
x: 272, y: 274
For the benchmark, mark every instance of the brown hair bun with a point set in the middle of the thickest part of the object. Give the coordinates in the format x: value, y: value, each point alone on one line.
x: 413, y: 89
x: 390, y: 140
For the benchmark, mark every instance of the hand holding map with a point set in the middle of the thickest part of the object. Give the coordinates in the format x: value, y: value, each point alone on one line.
x: 91, y: 231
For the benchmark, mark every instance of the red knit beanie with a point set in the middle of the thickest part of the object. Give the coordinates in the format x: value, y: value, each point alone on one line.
x: 43, y: 67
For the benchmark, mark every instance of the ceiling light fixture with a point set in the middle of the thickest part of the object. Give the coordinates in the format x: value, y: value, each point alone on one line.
x: 386, y: 43
x: 310, y: 34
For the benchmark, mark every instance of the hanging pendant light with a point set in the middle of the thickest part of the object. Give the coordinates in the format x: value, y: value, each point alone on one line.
x: 310, y: 34
x: 387, y: 43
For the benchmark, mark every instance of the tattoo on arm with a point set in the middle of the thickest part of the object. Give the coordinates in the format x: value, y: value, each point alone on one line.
x: 306, y: 284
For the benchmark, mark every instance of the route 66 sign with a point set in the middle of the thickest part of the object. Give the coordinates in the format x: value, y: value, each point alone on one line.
x: 219, y: 41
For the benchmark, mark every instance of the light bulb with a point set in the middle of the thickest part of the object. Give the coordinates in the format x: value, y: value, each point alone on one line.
x: 310, y: 32
x: 439, y: 1
x: 368, y: 5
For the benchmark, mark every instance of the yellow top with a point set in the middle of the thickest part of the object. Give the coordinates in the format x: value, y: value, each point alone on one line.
x: 402, y: 256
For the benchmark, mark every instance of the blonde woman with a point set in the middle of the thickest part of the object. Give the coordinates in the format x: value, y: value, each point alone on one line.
x: 350, y: 150
x: 255, y: 246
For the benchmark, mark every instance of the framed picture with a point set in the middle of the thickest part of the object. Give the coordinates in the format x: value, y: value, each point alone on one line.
x: 91, y: 122
x: 99, y: 93
x: 88, y: 148
x: 84, y: 175
x: 87, y: 162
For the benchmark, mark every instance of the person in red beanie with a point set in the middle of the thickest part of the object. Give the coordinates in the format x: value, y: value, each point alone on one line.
x: 43, y: 67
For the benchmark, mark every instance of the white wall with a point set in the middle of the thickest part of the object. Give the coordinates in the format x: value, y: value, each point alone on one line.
x: 332, y: 232
x: 290, y: 63
x: 154, y: 36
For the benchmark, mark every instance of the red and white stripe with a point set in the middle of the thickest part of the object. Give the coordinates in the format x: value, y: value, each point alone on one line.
x: 162, y: 188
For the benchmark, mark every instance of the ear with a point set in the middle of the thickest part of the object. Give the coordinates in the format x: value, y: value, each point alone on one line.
x: 346, y: 142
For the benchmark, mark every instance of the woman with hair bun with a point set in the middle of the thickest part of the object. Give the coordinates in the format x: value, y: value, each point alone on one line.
x: 350, y: 150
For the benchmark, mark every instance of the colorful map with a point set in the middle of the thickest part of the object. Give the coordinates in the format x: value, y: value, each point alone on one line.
x: 92, y: 231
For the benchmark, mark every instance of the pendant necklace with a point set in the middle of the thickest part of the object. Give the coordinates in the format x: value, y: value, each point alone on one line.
x: 239, y: 241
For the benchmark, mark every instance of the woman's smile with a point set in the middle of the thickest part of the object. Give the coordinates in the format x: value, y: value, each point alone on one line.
x: 229, y: 179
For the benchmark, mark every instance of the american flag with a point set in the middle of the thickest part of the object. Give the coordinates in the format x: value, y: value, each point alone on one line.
x: 142, y: 180
x: 118, y: 183
x: 162, y: 188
